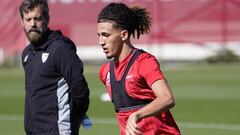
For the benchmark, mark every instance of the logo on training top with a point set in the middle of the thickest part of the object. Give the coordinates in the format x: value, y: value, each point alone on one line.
x: 44, y: 57
x: 25, y: 59
x: 129, y: 76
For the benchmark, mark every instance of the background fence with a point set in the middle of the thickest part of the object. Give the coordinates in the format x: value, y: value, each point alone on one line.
x: 197, y: 27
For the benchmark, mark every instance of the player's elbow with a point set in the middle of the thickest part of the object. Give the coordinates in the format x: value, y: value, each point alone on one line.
x: 170, y: 102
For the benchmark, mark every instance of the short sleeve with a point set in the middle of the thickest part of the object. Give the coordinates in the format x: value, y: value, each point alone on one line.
x: 149, y: 69
x: 102, y: 73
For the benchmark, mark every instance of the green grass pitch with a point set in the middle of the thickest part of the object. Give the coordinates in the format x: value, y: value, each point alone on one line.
x: 207, y: 100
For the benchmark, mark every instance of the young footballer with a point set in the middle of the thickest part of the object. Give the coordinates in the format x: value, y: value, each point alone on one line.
x: 134, y: 81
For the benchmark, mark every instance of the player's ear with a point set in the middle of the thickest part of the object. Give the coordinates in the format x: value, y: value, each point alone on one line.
x: 124, y: 35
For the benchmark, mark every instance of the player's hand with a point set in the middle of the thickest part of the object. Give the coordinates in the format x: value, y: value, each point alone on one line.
x: 132, y: 128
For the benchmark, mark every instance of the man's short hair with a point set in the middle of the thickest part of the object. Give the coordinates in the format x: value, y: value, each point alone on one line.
x: 28, y: 5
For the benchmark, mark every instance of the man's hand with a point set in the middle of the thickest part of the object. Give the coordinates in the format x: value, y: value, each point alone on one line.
x: 132, y: 128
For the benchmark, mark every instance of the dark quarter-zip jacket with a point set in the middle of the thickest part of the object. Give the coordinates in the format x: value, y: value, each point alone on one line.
x: 57, y: 94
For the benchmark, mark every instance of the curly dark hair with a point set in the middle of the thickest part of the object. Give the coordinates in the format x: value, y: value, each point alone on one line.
x: 135, y: 19
x: 31, y: 4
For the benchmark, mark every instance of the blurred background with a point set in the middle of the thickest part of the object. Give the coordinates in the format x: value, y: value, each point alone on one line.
x: 197, y: 43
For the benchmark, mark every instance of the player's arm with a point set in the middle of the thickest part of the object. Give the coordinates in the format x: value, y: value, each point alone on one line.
x: 163, y: 102
x: 164, y: 99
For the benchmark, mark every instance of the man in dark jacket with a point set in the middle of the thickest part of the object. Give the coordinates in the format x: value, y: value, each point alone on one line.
x: 57, y: 94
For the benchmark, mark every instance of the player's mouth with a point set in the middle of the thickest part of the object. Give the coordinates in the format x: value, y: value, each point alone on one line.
x: 105, y: 50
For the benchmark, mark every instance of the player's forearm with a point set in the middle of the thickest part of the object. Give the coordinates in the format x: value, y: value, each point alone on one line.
x: 163, y: 102
x: 156, y: 107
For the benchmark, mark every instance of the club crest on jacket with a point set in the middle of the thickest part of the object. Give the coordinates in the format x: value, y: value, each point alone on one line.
x: 44, y: 57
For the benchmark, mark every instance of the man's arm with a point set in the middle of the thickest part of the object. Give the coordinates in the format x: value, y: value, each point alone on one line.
x: 163, y: 102
x: 71, y: 68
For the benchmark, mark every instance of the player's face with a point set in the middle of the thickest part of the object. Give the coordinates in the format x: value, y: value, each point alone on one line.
x: 110, y: 39
x: 34, y: 24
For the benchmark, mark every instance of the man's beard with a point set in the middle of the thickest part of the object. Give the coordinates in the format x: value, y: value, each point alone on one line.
x: 34, y: 35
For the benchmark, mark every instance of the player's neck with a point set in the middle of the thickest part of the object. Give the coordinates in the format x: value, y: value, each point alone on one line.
x: 126, y: 50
